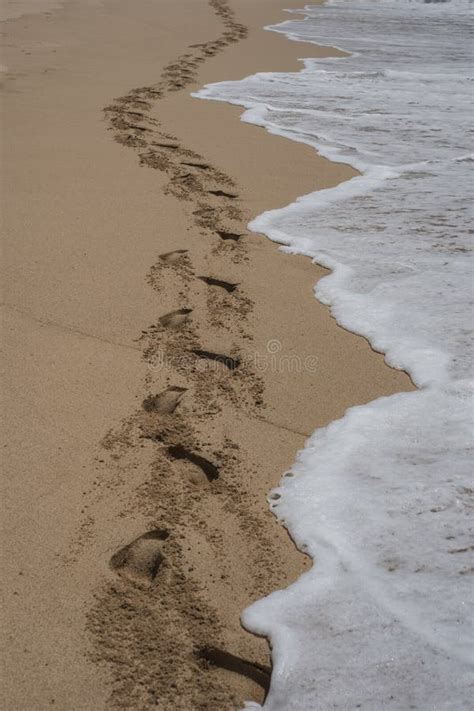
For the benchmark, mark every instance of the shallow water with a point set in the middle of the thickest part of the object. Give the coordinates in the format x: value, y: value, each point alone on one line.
x: 381, y: 499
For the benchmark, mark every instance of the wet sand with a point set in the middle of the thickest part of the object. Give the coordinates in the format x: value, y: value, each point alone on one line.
x: 149, y: 400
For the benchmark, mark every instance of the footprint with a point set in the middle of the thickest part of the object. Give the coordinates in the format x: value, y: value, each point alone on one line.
x: 173, y: 257
x: 175, y: 319
x: 227, y: 285
x: 142, y: 558
x: 131, y: 140
x: 137, y: 114
x: 176, y: 85
x: 165, y: 402
x: 171, y: 146
x: 137, y: 127
x: 223, y: 193
x: 184, y: 183
x: 231, y: 363
x: 155, y: 159
x: 203, y: 166
x: 224, y: 660
x: 178, y: 451
x: 229, y: 235
x: 206, y: 216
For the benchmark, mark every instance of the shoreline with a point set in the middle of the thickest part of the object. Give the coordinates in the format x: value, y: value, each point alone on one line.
x: 193, y: 468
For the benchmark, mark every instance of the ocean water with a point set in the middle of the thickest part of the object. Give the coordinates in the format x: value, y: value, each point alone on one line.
x: 382, y: 499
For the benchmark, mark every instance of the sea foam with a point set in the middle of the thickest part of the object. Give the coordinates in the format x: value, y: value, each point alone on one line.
x: 382, y: 498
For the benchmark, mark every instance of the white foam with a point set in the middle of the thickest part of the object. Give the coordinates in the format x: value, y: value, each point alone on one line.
x: 381, y: 498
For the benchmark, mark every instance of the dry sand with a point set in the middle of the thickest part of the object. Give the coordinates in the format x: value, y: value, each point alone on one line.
x: 141, y: 433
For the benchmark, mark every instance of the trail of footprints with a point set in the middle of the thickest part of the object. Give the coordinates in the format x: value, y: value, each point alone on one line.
x: 135, y: 619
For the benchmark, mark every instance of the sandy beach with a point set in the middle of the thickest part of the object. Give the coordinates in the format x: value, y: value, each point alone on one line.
x: 162, y: 365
